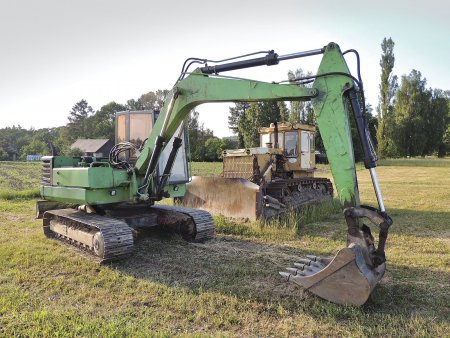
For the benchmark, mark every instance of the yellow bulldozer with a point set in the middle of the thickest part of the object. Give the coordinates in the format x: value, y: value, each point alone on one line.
x: 266, y: 181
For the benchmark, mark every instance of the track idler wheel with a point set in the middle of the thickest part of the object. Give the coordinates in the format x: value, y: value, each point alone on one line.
x: 344, y: 279
x: 99, y: 244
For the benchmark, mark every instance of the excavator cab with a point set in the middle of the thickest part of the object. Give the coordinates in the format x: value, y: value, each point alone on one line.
x: 134, y: 126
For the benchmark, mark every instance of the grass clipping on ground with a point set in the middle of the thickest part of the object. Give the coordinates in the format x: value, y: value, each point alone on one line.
x: 230, y: 286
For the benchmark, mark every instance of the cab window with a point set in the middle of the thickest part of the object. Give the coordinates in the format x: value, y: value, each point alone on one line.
x: 290, y: 143
x: 312, y: 143
x: 280, y: 140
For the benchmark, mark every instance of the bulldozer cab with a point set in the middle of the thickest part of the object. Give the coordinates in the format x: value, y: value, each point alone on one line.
x: 296, y: 142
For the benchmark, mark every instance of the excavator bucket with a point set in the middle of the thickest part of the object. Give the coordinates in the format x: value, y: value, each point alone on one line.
x: 230, y: 197
x: 343, y: 279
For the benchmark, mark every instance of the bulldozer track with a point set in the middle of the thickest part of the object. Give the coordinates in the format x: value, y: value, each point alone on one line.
x: 117, y: 235
x: 275, y: 188
x: 204, y: 223
x: 287, y: 192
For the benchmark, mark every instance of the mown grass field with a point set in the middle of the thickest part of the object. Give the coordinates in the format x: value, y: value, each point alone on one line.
x: 229, y: 286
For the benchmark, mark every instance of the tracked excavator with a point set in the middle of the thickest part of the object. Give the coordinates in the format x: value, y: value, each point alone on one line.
x: 100, y: 205
x: 263, y: 182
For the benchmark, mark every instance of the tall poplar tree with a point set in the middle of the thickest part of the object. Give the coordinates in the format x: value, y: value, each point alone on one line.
x: 388, y: 87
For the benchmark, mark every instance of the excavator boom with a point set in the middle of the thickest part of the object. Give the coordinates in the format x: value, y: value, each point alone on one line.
x: 101, y: 185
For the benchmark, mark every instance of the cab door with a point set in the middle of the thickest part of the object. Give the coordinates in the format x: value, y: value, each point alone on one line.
x: 305, y: 150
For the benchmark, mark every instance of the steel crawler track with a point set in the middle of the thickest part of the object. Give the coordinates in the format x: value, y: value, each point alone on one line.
x: 80, y: 229
x: 117, y: 235
x: 204, y: 223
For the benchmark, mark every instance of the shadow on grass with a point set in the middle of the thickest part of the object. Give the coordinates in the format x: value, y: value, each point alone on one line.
x: 249, y: 271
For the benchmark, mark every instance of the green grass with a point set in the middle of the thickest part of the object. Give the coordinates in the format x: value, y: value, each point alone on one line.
x: 19, y: 180
x: 20, y: 175
x: 416, y: 162
x: 288, y: 225
x: 229, y: 286
x: 206, y: 168
x: 21, y: 194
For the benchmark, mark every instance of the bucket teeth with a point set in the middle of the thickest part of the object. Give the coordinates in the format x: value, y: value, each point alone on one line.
x: 292, y: 271
x: 309, y: 267
x: 285, y: 275
x: 312, y: 257
x: 305, y: 261
x: 300, y: 266
x: 304, y: 267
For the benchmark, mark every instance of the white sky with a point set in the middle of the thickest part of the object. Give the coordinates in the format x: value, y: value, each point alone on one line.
x: 54, y: 53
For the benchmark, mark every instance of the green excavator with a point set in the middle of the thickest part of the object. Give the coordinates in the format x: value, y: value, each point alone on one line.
x: 102, y: 205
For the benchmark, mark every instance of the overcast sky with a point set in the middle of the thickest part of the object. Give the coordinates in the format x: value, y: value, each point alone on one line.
x: 54, y: 53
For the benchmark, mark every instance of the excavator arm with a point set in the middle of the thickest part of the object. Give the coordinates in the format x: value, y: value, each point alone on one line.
x: 351, y: 275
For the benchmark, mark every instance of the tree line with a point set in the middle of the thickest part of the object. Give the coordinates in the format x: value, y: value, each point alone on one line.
x: 410, y: 120
x: 85, y: 123
x: 413, y: 120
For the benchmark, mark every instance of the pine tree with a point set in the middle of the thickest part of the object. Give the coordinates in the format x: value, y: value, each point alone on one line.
x: 78, y: 117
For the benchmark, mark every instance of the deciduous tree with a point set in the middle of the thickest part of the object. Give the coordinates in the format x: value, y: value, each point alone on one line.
x: 198, y: 135
x: 214, y: 148
x: 412, y: 100
x: 236, y: 113
x: 300, y: 111
x: 103, y: 121
x: 259, y: 114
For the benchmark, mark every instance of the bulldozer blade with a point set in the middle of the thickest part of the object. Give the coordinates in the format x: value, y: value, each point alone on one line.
x: 344, y: 279
x: 230, y: 197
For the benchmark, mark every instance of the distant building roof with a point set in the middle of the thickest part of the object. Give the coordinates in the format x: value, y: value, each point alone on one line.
x: 90, y: 145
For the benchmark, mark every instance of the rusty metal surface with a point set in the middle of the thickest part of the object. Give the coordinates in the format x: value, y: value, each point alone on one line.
x: 230, y: 197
